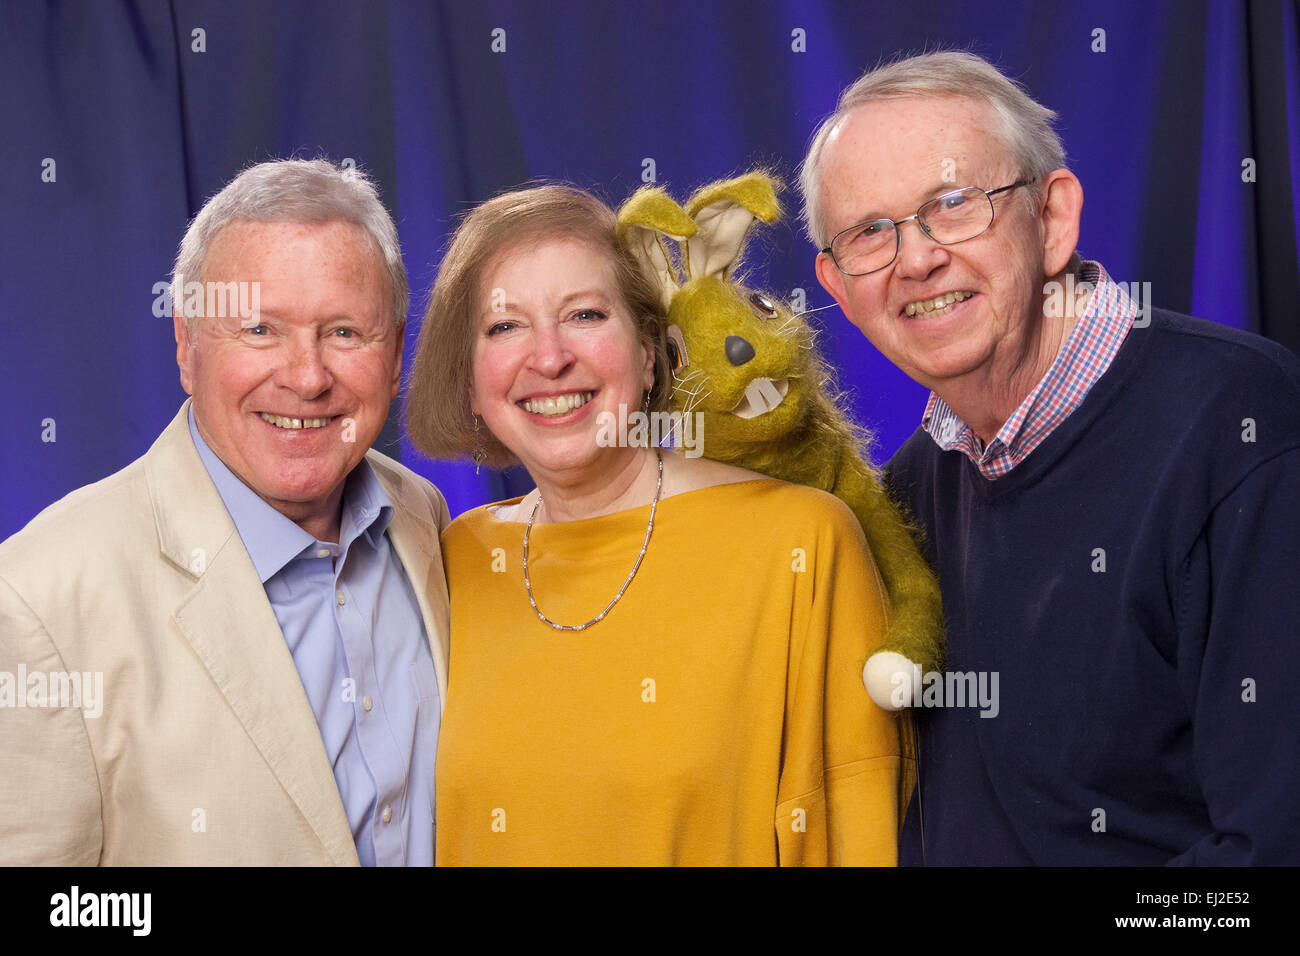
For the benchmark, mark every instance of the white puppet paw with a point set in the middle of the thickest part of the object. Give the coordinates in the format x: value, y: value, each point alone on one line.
x: 890, y: 679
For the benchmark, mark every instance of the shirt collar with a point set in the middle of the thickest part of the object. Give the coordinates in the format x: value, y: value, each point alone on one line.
x: 1082, y: 360
x: 271, y: 539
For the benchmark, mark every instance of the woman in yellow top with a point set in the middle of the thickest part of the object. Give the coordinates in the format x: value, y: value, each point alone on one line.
x: 655, y: 659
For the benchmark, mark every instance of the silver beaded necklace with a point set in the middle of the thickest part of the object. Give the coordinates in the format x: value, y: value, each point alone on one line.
x: 528, y: 586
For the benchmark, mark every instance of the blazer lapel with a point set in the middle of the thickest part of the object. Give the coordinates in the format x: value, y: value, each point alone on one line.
x: 414, y: 533
x: 229, y: 622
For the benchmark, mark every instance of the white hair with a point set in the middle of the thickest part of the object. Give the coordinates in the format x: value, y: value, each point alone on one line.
x: 296, y: 190
x: 1026, y: 127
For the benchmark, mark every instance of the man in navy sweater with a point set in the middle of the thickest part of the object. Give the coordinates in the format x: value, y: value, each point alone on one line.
x: 1109, y: 492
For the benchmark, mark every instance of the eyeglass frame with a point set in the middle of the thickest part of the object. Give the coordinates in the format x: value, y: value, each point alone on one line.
x: 898, y: 224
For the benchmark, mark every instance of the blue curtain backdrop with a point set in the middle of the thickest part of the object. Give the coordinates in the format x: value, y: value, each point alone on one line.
x: 142, y: 122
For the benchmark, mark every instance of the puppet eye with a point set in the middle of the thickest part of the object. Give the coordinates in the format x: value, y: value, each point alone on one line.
x: 677, y: 357
x: 763, y: 307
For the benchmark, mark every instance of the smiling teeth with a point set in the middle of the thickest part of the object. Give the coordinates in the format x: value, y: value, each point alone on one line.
x: 281, y: 422
x: 938, y: 305
x: 557, y: 404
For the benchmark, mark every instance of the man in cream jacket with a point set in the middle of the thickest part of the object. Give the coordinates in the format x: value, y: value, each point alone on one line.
x: 233, y: 651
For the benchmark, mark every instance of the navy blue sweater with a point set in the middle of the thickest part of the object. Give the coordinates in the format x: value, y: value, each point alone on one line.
x: 1135, y: 584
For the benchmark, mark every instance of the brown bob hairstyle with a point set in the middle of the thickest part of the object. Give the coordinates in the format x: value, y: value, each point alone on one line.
x: 438, y: 416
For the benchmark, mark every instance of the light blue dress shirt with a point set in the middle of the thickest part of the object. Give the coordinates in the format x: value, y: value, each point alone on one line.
x: 352, y: 624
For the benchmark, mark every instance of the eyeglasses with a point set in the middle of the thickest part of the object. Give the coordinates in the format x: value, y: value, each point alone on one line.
x: 948, y: 219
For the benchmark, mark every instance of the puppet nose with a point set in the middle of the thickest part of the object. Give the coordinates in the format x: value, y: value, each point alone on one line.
x: 738, y: 350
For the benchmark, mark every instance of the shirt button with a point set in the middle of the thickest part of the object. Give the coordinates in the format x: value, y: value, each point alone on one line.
x: 323, y: 553
x: 367, y: 703
x: 388, y: 814
x: 338, y: 596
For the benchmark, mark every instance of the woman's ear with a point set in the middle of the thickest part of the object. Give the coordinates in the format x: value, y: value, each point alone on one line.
x: 648, y: 365
x: 1060, y: 212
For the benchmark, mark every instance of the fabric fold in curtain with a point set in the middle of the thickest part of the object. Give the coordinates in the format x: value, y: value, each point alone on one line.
x: 120, y: 119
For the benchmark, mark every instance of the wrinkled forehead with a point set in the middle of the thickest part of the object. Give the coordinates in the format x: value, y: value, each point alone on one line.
x: 885, y: 157
x: 905, y: 122
x: 288, y: 269
x: 246, y: 243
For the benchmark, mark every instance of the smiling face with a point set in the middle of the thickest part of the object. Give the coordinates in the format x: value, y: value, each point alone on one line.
x: 292, y: 404
x: 554, y: 347
x: 884, y: 160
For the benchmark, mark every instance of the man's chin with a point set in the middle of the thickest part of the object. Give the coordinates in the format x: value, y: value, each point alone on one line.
x: 935, y: 368
x: 300, y: 497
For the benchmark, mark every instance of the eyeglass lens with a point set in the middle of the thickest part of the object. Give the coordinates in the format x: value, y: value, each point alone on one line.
x: 947, y: 219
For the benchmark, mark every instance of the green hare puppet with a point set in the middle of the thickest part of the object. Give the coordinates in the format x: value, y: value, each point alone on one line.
x: 769, y: 403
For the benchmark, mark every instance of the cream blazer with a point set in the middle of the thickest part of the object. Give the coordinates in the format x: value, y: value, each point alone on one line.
x: 206, y: 750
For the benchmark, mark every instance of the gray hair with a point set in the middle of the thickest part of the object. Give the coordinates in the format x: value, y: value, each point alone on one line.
x: 1026, y: 127
x: 295, y: 190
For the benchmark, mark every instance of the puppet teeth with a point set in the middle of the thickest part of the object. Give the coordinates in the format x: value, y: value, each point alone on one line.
x: 761, y: 396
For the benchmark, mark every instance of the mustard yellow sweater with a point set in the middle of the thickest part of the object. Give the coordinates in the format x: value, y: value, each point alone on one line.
x: 716, y: 716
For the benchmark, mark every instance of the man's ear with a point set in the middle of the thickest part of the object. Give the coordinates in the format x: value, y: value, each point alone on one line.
x: 1060, y: 213
x: 397, y: 362
x: 832, y: 280
x: 184, y: 352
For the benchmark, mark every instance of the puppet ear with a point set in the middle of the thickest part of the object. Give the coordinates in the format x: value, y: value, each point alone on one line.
x: 644, y: 222
x: 724, y: 213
